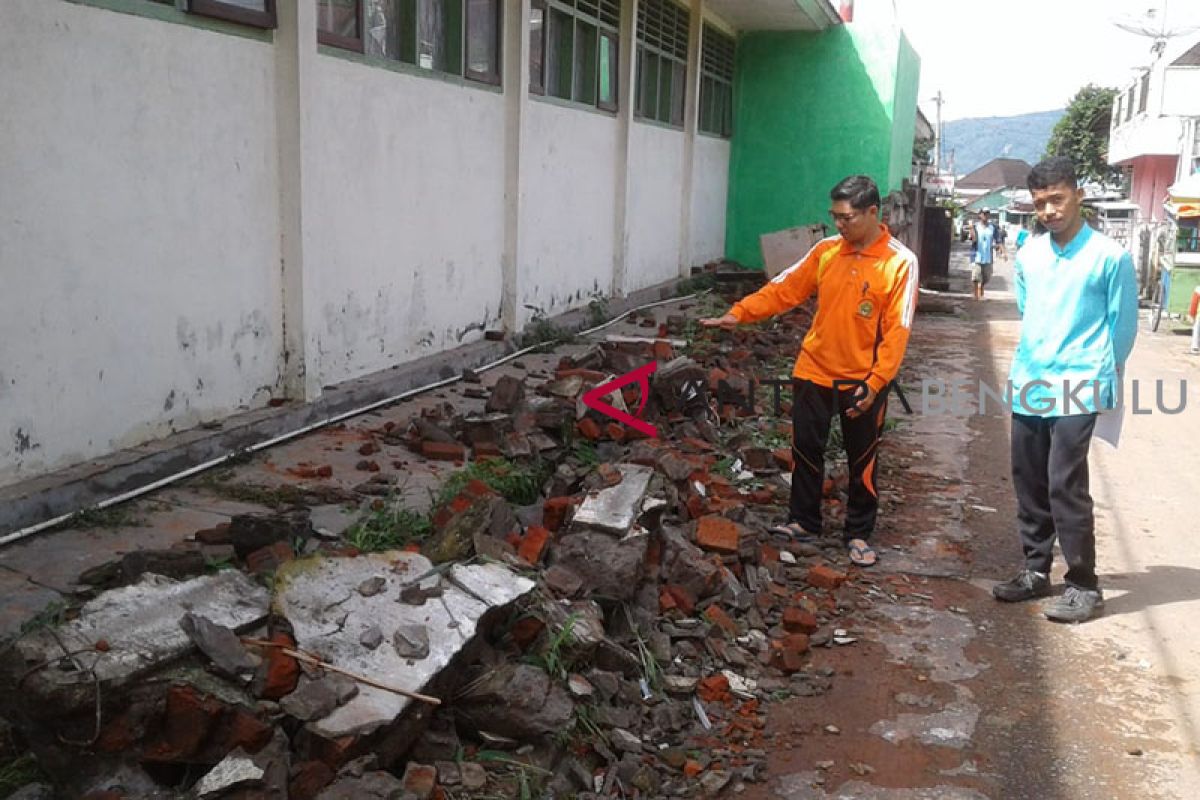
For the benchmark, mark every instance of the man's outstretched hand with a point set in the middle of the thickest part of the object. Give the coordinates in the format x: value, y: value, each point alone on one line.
x: 864, y: 396
x: 727, y: 321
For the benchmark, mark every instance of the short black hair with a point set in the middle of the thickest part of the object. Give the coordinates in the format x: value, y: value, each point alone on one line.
x: 859, y: 190
x: 1052, y: 171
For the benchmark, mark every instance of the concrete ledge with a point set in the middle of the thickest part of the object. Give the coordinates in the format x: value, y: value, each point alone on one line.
x: 84, y: 485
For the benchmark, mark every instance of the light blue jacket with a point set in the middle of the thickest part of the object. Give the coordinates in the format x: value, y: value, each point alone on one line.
x: 1079, y: 311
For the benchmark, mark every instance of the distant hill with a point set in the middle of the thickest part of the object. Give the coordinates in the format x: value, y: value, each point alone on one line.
x: 977, y: 141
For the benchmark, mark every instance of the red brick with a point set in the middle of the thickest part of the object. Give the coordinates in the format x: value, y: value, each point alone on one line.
x: 443, y: 451
x: 615, y: 432
x: 717, y: 616
x: 477, y: 488
x: 269, y: 558
x: 653, y: 560
x: 696, y: 506
x: 663, y: 351
x: 825, y: 577
x: 767, y: 555
x: 714, y: 689
x: 526, y: 631
x: 215, y: 535
x: 533, y: 544
x: 420, y: 780
x: 282, y: 671
x: 188, y: 718
x: 692, y: 768
x: 242, y: 729
x: 666, y: 602
x: 797, y: 620
x: 324, y: 471
x: 787, y: 654
x: 555, y: 511
x: 762, y: 497
x: 715, y: 376
x: 334, y: 752
x: 783, y: 457
x: 718, y: 534
x: 588, y: 375
x: 488, y: 450
x: 308, y: 779
x: 589, y: 429
x: 684, y: 600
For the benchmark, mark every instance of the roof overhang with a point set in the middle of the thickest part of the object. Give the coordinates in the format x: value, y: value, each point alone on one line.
x: 776, y: 15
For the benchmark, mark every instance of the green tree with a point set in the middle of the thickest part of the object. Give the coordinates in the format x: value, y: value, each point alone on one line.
x: 1082, y: 135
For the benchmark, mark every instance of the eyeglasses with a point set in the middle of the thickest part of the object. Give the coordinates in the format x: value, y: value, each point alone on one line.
x: 846, y: 218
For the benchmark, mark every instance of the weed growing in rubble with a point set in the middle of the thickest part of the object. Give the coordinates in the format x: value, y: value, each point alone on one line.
x: 555, y: 659
x: 695, y: 284
x: 18, y: 772
x: 541, y: 331
x: 51, y: 616
x: 585, y: 453
x: 518, y: 483
x: 390, y: 528
x: 597, y: 309
x: 113, y: 517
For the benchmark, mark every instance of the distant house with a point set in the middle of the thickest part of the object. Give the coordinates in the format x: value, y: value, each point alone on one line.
x: 1155, y: 133
x: 997, y: 174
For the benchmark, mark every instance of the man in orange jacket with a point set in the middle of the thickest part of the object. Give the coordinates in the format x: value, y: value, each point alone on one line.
x: 865, y: 281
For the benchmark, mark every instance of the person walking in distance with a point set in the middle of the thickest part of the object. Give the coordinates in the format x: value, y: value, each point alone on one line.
x: 865, y: 282
x: 1077, y: 293
x: 984, y: 236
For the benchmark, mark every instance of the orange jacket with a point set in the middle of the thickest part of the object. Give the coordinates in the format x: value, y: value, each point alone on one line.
x: 865, y: 306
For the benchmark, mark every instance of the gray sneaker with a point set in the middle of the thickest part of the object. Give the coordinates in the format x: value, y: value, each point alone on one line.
x: 1026, y: 585
x: 1075, y: 605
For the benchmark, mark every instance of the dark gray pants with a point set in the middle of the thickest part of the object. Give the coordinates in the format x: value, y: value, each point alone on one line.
x: 1050, y: 477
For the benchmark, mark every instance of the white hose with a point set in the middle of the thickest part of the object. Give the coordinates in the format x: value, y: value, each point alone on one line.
x: 254, y: 448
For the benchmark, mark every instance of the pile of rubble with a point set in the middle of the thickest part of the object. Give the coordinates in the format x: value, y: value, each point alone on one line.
x: 621, y: 632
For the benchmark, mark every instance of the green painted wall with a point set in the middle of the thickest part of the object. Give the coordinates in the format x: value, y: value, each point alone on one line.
x: 904, y: 112
x: 810, y: 109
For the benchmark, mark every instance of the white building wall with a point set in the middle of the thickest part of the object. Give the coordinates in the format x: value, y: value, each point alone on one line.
x: 142, y: 187
x: 709, y: 194
x: 568, y: 190
x: 1181, y: 91
x: 139, y: 237
x: 655, y: 174
x: 406, y: 174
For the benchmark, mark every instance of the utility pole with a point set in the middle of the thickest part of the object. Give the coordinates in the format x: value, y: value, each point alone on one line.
x: 937, y: 134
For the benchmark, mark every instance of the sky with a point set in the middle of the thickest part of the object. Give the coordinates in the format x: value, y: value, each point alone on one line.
x: 1007, y: 57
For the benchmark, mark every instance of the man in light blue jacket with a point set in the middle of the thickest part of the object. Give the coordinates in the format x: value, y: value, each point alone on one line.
x: 1077, y: 293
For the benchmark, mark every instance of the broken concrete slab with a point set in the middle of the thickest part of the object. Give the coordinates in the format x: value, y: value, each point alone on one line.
x: 518, y: 701
x: 616, y: 508
x: 237, y: 770
x: 607, y: 566
x: 221, y: 645
x: 139, y: 626
x: 320, y: 597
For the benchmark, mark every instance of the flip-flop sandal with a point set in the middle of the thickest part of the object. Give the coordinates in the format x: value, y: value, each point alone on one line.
x: 793, y: 531
x: 862, y: 555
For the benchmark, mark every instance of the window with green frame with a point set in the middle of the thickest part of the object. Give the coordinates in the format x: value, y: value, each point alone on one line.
x: 662, y: 50
x: 256, y: 13
x: 459, y: 37
x: 716, y: 82
x: 573, y: 50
